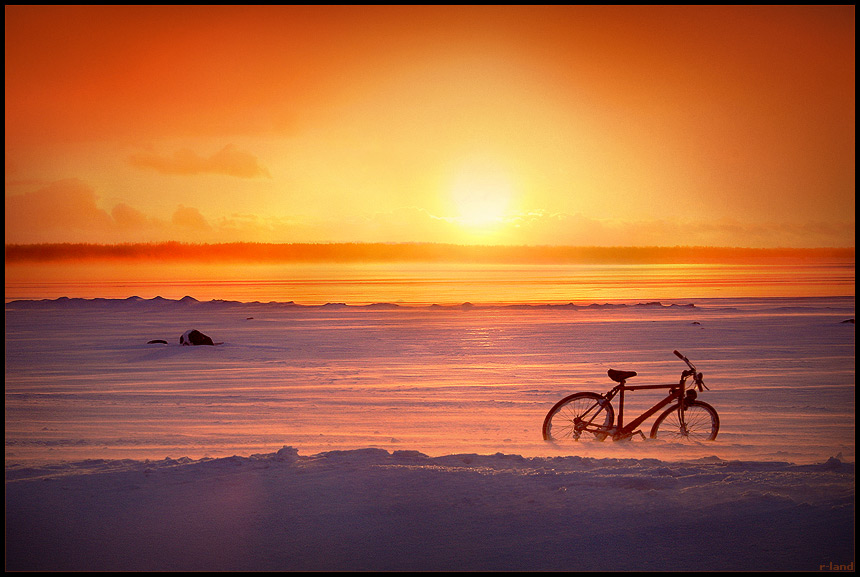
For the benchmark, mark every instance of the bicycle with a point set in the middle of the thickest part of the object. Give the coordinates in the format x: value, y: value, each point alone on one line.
x: 593, y: 413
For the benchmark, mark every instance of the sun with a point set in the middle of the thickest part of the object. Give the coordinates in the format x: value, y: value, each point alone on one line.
x: 481, y: 199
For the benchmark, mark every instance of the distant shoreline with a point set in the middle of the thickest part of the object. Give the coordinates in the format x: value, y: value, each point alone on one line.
x: 247, y: 252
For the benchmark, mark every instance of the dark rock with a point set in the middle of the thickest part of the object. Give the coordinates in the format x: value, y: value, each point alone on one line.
x: 157, y: 342
x: 195, y: 337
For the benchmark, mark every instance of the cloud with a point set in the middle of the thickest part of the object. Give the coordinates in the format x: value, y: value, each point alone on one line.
x: 229, y: 161
x: 62, y: 207
x: 129, y: 218
x: 545, y: 228
x: 190, y: 218
x: 68, y: 211
x: 402, y: 224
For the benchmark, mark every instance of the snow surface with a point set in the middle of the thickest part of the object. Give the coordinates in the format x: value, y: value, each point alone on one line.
x: 408, y: 438
x: 368, y: 509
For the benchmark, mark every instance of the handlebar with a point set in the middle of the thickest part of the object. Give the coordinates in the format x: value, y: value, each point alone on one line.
x: 697, y: 376
x: 685, y: 359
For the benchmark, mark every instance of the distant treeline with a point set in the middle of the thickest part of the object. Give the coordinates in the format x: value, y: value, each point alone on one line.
x: 416, y: 252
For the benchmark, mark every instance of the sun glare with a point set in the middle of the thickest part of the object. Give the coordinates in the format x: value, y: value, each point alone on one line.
x: 481, y: 199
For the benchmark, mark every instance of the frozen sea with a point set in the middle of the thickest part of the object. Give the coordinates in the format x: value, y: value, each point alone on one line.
x: 407, y: 436
x: 83, y: 382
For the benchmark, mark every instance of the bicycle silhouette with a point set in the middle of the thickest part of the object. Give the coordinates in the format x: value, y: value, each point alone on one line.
x: 593, y: 413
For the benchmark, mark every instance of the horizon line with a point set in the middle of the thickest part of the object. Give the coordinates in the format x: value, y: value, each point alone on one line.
x: 334, y: 252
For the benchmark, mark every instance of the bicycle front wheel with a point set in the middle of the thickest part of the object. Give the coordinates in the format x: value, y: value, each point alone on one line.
x: 577, y: 414
x: 697, y: 421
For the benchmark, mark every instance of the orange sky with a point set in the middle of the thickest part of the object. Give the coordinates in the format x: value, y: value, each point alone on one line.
x: 730, y: 126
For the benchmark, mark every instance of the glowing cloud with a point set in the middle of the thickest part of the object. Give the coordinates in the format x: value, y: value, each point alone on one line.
x: 66, y: 205
x: 229, y: 161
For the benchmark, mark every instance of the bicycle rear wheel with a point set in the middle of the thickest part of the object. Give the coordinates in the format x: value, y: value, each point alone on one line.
x: 699, y: 422
x: 576, y: 414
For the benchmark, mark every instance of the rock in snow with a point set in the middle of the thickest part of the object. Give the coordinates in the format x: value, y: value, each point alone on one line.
x: 195, y: 337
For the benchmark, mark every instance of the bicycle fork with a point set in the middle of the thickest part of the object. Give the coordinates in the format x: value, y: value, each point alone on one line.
x: 683, y: 401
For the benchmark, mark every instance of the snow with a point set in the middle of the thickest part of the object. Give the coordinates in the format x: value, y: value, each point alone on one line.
x: 396, y: 437
x: 374, y: 510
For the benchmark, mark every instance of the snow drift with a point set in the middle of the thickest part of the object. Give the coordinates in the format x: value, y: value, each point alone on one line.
x: 371, y: 510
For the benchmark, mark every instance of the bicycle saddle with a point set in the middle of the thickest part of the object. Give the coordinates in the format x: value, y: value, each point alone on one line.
x: 620, y: 376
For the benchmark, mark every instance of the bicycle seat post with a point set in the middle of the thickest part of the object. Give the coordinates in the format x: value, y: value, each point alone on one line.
x: 620, y: 377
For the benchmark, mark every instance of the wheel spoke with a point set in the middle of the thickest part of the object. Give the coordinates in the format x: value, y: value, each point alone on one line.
x: 699, y: 422
x: 578, y: 414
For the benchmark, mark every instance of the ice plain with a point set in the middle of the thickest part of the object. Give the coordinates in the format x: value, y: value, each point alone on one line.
x: 388, y: 437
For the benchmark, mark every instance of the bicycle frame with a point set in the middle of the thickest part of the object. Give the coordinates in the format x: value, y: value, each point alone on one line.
x: 676, y: 392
